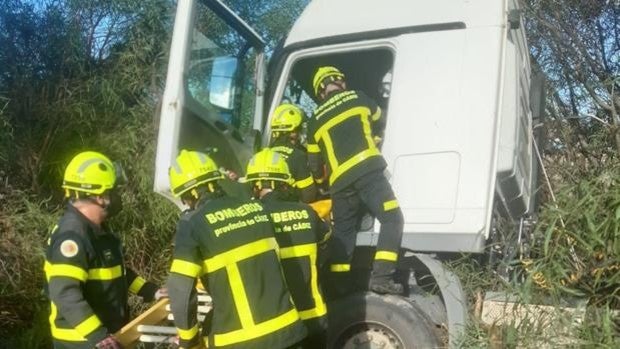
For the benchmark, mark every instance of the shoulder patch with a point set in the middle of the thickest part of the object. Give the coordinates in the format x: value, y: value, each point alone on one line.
x: 69, y: 248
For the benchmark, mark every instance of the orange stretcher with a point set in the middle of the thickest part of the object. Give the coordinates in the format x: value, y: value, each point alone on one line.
x: 323, y: 208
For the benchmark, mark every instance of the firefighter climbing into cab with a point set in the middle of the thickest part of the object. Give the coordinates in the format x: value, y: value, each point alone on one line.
x: 229, y: 243
x: 299, y: 233
x: 342, y: 134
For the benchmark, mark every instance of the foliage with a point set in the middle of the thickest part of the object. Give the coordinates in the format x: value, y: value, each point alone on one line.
x: 580, y: 250
x: 76, y: 84
x: 78, y: 75
x: 577, y: 46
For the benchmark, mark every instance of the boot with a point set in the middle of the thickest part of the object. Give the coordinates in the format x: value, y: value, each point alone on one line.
x: 385, y: 286
x: 382, y: 279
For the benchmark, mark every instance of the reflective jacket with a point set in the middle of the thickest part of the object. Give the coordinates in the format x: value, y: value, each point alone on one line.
x: 341, y: 135
x: 87, y: 282
x: 230, y: 244
x: 299, y: 231
x: 297, y: 161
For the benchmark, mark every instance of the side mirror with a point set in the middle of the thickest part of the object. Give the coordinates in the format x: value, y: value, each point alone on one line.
x: 222, y: 83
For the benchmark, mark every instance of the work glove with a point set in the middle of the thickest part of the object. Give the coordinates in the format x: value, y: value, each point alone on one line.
x: 161, y: 293
x: 109, y: 342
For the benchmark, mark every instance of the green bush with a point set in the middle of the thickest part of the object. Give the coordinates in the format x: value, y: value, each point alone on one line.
x: 575, y: 262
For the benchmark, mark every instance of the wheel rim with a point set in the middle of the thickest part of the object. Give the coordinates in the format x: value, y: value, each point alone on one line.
x: 369, y: 335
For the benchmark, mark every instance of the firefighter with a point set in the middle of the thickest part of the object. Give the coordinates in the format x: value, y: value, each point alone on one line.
x: 286, y: 124
x: 299, y: 230
x: 342, y: 134
x: 229, y: 243
x: 87, y: 282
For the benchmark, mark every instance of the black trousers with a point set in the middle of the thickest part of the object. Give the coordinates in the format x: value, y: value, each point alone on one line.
x: 58, y: 344
x: 374, y: 193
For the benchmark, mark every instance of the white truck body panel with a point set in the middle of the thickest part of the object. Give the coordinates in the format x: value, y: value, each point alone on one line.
x: 325, y: 18
x: 458, y: 139
x: 456, y: 122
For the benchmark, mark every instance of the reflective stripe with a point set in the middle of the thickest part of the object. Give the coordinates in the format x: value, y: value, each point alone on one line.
x: 390, y: 205
x: 386, y: 256
x: 320, y: 308
x: 240, y: 253
x: 136, y: 285
x: 323, y: 134
x: 65, y: 270
x: 188, y: 334
x: 331, y: 156
x: 256, y: 331
x: 353, y: 112
x: 298, y: 251
x: 313, y: 148
x: 315, y: 312
x: 65, y: 334
x: 54, y: 229
x: 186, y: 268
x: 308, y: 250
x: 339, y: 268
x: 239, y: 296
x: 249, y: 329
x: 105, y: 273
x: 377, y: 115
x: 89, y: 325
x: 77, y: 334
x: 347, y: 165
x: 304, y: 183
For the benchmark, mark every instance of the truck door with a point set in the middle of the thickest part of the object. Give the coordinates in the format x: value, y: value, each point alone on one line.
x: 213, y: 96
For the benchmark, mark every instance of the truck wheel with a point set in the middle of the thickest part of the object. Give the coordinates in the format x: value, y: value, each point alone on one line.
x: 369, y: 321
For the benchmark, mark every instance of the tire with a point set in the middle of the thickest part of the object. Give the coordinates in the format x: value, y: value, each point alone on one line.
x: 368, y: 320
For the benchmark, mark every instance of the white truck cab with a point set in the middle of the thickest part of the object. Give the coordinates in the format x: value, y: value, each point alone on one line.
x: 453, y: 77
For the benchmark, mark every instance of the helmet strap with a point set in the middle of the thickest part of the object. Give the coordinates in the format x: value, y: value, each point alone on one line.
x: 293, y: 136
x: 74, y: 195
x: 279, y: 136
x: 205, y: 191
x: 331, y: 87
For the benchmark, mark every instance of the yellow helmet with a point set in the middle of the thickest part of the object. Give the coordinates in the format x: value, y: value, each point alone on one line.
x: 268, y: 165
x: 191, y: 169
x: 90, y: 172
x: 286, y: 117
x: 323, y: 73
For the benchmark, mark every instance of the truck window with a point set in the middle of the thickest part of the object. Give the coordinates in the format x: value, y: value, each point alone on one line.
x: 221, y: 70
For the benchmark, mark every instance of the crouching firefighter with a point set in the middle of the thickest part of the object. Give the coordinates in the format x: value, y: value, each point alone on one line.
x: 342, y: 134
x: 87, y: 282
x: 299, y: 231
x: 286, y: 124
x: 229, y: 243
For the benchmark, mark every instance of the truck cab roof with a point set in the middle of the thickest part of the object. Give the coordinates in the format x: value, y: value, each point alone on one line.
x: 347, y: 17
